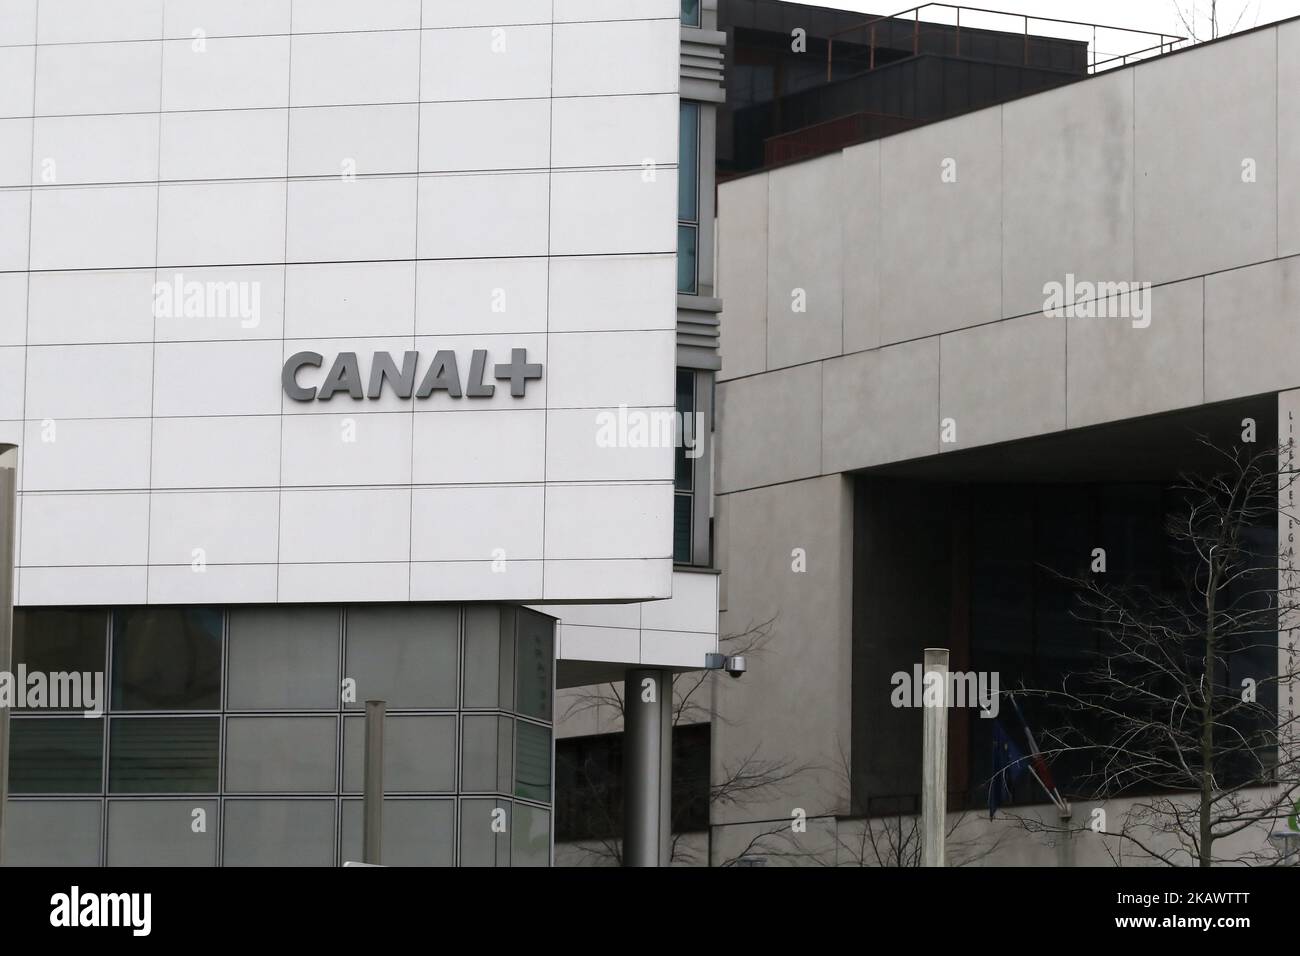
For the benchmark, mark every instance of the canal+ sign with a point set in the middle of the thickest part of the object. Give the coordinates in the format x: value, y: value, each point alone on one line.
x: 346, y: 375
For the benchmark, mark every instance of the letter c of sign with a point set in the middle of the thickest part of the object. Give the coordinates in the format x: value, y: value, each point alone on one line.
x: 289, y: 375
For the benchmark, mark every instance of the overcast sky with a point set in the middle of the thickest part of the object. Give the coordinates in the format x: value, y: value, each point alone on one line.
x: 1154, y: 15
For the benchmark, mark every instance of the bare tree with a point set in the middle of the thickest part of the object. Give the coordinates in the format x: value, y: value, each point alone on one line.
x: 752, y: 779
x: 1183, y: 711
x: 876, y: 840
x: 1209, y: 19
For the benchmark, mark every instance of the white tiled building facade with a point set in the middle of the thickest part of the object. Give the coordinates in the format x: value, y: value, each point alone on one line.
x: 458, y: 220
x: 377, y: 177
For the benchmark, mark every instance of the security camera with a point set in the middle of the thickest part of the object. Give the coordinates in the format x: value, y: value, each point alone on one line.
x: 734, y: 665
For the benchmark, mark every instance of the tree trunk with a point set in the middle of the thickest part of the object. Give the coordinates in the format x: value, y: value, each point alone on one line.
x: 1207, y: 725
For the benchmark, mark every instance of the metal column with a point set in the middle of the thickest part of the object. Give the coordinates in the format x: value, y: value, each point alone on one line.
x: 372, y: 803
x: 8, y: 522
x: 647, y: 767
x: 934, y: 758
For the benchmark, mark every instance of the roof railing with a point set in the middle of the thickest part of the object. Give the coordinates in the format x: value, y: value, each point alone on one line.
x: 1097, y: 61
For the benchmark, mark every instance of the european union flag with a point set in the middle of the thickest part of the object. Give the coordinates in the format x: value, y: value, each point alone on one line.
x: 1008, y: 767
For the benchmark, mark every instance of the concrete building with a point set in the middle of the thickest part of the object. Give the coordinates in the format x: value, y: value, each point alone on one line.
x: 907, y: 427
x: 322, y: 325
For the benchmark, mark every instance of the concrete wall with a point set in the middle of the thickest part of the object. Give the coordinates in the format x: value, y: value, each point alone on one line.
x: 786, y: 562
x: 920, y: 262
x: 498, y: 202
x: 877, y: 295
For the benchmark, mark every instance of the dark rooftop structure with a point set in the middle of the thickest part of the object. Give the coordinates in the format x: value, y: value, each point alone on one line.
x: 854, y: 77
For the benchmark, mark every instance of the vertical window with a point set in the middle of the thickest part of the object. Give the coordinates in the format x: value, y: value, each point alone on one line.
x: 167, y: 658
x: 691, y: 13
x: 684, y: 476
x: 56, y: 755
x: 688, y: 198
x: 65, y: 641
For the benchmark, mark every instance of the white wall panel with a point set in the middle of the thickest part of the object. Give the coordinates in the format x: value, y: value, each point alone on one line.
x: 85, y: 21
x: 474, y: 580
x: 77, y: 453
x: 592, y: 444
x: 227, y: 527
x: 613, y: 293
x: 18, y: 21
x: 68, y: 150
x: 473, y: 13
x: 216, y: 378
x: 41, y: 586
x: 361, y: 140
x: 93, y: 227
x: 61, y: 73
x: 224, y: 144
x: 232, y: 183
x: 591, y: 59
x: 344, y: 525
x: 216, y: 452
x: 17, y: 79
x: 16, y: 152
x: 484, y: 524
x: 349, y: 299
x: 319, y: 16
x: 463, y: 65
x: 346, y: 449
x: 89, y: 381
x: 225, y: 17
x: 227, y: 74
x: 337, y: 219
x: 342, y: 68
x: 589, y: 522
x: 512, y: 134
x: 457, y: 447
x: 208, y: 224
x: 218, y: 583
x: 600, y: 369
x: 92, y: 529
x: 613, y: 211
x: 470, y: 296
x: 15, y: 209
x: 615, y: 130
x: 12, y: 378
x: 13, y: 308
x: 94, y: 306
x: 475, y: 215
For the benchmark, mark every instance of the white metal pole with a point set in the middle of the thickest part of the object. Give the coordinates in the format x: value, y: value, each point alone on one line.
x: 8, y: 522
x: 934, y: 756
